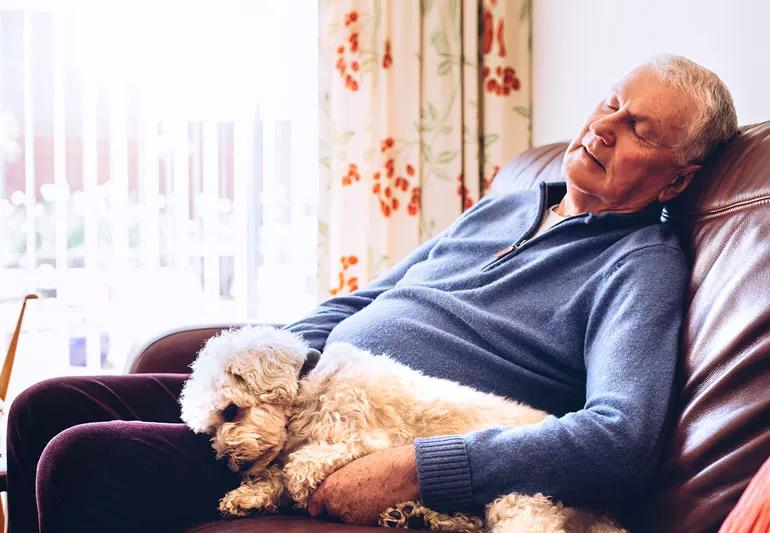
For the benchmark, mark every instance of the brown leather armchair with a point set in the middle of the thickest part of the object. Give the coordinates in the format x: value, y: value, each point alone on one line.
x: 719, y: 433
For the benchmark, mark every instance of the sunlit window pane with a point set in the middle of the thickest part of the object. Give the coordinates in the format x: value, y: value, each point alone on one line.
x: 157, y: 168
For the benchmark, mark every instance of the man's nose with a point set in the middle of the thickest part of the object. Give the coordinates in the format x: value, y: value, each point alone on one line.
x: 604, y: 129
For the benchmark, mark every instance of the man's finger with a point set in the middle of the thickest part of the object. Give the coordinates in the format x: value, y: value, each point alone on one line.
x: 315, y: 506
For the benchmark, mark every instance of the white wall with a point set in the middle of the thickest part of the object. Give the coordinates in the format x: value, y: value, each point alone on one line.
x: 581, y: 47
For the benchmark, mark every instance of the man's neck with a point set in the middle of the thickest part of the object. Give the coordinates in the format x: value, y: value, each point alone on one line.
x: 576, y: 203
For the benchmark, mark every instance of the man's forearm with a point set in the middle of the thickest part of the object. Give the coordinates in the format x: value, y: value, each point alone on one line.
x: 358, y: 492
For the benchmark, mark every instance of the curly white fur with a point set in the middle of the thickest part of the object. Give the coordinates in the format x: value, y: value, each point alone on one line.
x: 286, y: 434
x: 265, y: 357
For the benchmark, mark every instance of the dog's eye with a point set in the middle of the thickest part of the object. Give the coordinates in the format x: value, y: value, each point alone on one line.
x: 230, y: 412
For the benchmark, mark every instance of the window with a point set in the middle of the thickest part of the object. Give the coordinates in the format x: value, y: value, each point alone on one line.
x: 158, y: 167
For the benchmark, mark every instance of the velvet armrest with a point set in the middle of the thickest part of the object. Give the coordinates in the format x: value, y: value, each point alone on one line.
x: 172, y: 351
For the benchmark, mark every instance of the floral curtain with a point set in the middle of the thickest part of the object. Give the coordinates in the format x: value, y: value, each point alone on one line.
x: 422, y: 103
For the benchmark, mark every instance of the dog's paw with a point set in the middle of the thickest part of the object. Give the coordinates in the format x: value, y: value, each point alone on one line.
x: 404, y: 515
x: 233, y: 505
x: 246, y: 500
x: 414, y: 515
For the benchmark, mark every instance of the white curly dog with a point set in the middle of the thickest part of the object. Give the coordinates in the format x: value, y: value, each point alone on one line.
x: 285, y: 433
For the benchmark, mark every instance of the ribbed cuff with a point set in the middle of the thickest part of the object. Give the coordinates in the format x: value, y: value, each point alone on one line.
x: 443, y: 473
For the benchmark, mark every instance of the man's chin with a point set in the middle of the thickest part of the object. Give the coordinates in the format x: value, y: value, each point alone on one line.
x: 575, y: 170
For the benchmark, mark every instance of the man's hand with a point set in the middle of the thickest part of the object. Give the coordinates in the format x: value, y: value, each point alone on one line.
x: 358, y: 492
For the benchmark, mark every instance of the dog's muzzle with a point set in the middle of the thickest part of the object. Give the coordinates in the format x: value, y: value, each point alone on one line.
x: 235, y: 466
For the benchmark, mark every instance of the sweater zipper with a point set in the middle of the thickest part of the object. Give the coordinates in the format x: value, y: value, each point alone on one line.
x: 502, y: 255
x: 509, y: 251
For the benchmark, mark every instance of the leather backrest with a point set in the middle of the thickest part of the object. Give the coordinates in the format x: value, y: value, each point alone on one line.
x: 719, y: 433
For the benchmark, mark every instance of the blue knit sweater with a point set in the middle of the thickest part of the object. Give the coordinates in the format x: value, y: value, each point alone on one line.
x: 581, y: 321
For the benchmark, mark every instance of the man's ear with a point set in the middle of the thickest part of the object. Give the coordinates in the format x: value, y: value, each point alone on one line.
x: 679, y: 183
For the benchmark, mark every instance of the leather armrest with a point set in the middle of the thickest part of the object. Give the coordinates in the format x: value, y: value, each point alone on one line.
x: 172, y: 351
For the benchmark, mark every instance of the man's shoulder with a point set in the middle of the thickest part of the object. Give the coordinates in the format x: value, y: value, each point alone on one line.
x: 654, y: 235
x: 656, y: 244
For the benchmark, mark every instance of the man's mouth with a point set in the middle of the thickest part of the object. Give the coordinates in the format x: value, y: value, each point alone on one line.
x: 595, y: 160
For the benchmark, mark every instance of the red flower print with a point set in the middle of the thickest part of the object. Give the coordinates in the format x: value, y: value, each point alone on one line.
x: 500, y: 38
x: 350, y: 18
x: 487, y: 33
x: 351, y: 176
x: 346, y: 261
x: 465, y: 200
x: 387, y: 58
x: 414, y: 204
x: 504, y: 81
x: 349, y: 77
x: 391, y: 182
x: 487, y: 182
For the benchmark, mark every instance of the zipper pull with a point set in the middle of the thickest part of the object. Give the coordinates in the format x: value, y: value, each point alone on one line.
x: 508, y: 249
x: 505, y: 251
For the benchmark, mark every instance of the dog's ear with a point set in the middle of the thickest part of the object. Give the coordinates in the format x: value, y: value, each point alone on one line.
x: 266, y: 375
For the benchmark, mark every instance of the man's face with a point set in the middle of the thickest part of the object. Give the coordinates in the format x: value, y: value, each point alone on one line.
x: 623, y: 159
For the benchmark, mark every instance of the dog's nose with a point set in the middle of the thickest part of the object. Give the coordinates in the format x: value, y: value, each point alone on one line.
x: 223, y: 457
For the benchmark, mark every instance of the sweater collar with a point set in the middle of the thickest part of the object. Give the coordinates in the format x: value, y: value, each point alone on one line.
x: 552, y: 193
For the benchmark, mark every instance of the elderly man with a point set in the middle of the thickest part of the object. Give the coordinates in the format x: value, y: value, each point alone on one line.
x: 569, y: 298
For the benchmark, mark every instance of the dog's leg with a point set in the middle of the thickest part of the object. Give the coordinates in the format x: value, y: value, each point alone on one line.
x: 256, y: 494
x: 518, y: 512
x: 309, y: 465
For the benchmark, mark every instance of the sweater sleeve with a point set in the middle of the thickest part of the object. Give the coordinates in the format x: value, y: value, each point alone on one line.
x: 610, y: 447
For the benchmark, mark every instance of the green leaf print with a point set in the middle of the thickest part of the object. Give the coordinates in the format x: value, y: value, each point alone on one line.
x: 345, y: 137
x: 522, y: 110
x: 489, y: 139
x: 446, y: 156
x: 439, y: 40
x: 525, y: 9
x: 432, y: 112
x: 440, y: 173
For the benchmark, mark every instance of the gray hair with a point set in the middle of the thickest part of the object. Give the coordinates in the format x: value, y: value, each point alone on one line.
x: 716, y: 122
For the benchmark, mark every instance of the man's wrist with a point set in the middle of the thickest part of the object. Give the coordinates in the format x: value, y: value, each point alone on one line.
x: 407, y: 466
